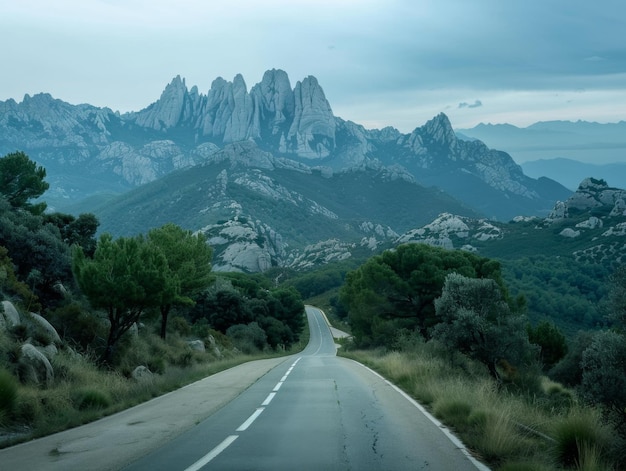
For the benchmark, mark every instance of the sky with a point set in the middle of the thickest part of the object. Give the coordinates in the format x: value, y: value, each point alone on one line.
x: 380, y: 62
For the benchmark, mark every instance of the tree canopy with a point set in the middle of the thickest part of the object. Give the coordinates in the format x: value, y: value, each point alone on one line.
x: 396, y: 290
x: 189, y: 262
x: 477, y: 321
x: 125, y: 277
x: 21, y: 180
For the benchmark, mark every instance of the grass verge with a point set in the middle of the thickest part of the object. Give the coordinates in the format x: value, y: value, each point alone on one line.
x: 506, y: 430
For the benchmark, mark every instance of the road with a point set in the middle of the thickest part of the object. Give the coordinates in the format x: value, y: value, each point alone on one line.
x: 311, y: 411
x: 315, y: 411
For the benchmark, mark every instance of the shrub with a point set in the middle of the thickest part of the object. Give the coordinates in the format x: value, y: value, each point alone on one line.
x: 248, y: 338
x: 578, y: 436
x: 8, y: 391
x: 91, y: 399
x: 453, y: 412
x: 524, y: 466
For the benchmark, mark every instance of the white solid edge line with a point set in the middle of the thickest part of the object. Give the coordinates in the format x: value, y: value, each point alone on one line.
x: 268, y: 399
x: 213, y: 453
x: 454, y: 439
x: 251, y: 419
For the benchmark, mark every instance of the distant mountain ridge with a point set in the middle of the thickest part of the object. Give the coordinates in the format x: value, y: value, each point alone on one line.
x: 570, y: 172
x: 88, y: 149
x: 581, y: 140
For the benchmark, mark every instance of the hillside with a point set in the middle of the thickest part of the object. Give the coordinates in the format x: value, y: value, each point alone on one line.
x: 261, y: 211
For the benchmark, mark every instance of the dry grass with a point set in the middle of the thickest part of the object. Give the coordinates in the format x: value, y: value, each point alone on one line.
x: 509, y: 431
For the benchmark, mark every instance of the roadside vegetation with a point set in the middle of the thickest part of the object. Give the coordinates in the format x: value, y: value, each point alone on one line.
x: 523, y: 358
x: 90, y: 326
x: 442, y: 325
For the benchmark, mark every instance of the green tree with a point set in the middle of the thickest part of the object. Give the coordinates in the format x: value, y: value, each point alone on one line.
x: 41, y: 258
x: 225, y: 308
x: 288, y: 309
x: 396, y: 290
x: 617, y: 299
x: 551, y: 341
x: 604, y: 372
x: 80, y: 231
x: 477, y: 321
x: 189, y: 261
x: 125, y: 277
x: 21, y: 180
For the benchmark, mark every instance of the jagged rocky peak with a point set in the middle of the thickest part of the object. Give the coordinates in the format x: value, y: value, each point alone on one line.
x: 312, y: 132
x: 168, y: 110
x: 440, y: 130
x: 298, y: 121
x: 276, y: 99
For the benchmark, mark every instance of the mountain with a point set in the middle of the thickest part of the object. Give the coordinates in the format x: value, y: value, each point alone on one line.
x: 581, y: 140
x: 571, y: 172
x: 589, y: 226
x: 259, y: 211
x: 88, y: 151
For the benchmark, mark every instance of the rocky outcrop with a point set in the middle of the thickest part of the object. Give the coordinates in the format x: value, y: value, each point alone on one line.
x: 592, y: 195
x: 298, y: 121
x: 241, y: 244
x: 453, y: 232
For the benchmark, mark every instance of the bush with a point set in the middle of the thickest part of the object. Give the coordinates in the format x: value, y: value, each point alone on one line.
x: 579, y: 436
x: 248, y: 338
x: 91, y: 399
x: 76, y: 324
x: 453, y: 412
x: 8, y: 391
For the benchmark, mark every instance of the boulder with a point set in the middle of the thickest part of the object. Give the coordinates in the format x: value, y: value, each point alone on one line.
x: 142, y: 373
x: 9, y: 317
x: 50, y: 351
x: 569, y: 232
x: 44, y: 325
x: 34, y: 367
x: 214, y: 347
x: 197, y: 345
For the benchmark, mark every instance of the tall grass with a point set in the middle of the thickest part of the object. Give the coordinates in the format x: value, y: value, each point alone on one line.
x: 507, y: 429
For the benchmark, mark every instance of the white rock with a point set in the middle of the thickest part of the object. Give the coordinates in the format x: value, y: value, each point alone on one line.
x: 569, y: 232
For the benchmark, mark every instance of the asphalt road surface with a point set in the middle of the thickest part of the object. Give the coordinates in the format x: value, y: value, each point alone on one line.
x: 311, y: 411
x: 315, y: 411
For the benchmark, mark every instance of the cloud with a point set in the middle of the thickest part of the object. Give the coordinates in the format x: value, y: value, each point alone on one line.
x: 398, y: 56
x: 476, y: 104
